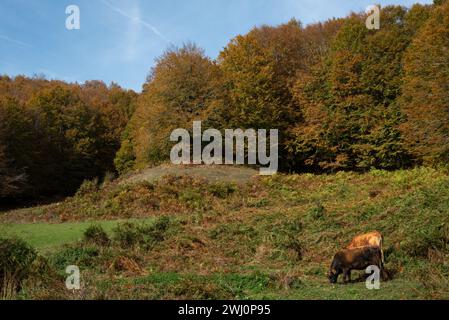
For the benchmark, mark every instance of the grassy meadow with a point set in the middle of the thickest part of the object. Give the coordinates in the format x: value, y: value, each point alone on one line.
x: 184, y: 236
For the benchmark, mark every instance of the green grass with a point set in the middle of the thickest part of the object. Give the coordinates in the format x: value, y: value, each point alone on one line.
x: 271, y: 238
x: 48, y: 238
x: 256, y: 286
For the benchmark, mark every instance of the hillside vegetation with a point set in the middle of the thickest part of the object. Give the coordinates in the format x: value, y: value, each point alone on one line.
x: 344, y: 98
x: 271, y: 237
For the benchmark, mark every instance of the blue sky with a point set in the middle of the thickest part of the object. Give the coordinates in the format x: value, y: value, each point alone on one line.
x: 119, y: 39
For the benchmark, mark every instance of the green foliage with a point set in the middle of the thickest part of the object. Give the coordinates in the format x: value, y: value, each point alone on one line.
x: 424, y: 239
x: 80, y: 256
x: 286, y: 237
x: 222, y: 190
x: 125, y: 159
x: 317, y: 212
x: 88, y: 187
x: 280, y: 251
x: 95, y: 234
x: 16, y: 260
x: 192, y: 198
x: 130, y: 235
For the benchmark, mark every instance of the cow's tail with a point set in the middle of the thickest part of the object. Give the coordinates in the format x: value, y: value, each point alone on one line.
x: 382, y: 250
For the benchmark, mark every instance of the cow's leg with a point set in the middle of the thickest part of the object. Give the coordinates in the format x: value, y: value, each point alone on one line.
x: 346, y: 275
x: 383, y: 272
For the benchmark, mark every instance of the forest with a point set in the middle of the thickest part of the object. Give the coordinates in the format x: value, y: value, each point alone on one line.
x: 344, y: 98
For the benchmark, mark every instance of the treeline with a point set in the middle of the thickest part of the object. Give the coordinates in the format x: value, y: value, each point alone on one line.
x: 53, y: 135
x: 343, y: 97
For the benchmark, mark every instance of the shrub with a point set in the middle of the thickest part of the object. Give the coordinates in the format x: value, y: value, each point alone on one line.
x: 128, y: 265
x: 192, y: 198
x: 285, y: 237
x: 162, y: 224
x: 77, y: 255
x: 95, y: 234
x: 43, y: 283
x: 88, y: 187
x: 16, y: 259
x: 422, y: 240
x: 222, y: 190
x: 129, y: 235
x: 108, y: 178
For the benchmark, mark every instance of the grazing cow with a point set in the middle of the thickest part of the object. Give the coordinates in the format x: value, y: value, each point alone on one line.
x: 374, y: 239
x: 354, y: 259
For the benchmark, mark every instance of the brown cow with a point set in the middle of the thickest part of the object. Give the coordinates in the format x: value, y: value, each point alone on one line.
x: 354, y: 259
x: 374, y: 239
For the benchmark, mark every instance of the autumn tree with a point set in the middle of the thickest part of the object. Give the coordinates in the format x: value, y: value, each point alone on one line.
x: 15, y: 134
x: 179, y: 90
x: 53, y: 135
x: 258, y: 69
x: 425, y: 99
x: 349, y: 100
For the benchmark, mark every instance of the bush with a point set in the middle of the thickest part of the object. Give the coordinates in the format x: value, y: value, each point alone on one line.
x: 125, y: 158
x: 129, y: 235
x: 79, y: 256
x: 128, y: 265
x: 222, y: 190
x: 285, y: 237
x: 43, y: 283
x: 88, y: 187
x: 108, y: 178
x: 422, y: 240
x: 161, y: 225
x: 192, y: 198
x: 96, y: 235
x: 16, y: 260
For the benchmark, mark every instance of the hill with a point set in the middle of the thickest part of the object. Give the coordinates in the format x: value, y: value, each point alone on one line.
x: 261, y: 237
x: 227, y: 174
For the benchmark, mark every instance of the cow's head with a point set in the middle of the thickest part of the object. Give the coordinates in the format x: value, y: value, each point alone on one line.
x: 333, y: 275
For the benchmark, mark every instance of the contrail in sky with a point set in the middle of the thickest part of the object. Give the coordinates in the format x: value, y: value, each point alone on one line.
x: 136, y: 20
x: 17, y: 42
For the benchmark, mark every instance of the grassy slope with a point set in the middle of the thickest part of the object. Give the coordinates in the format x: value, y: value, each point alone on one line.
x: 47, y: 238
x: 269, y: 238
